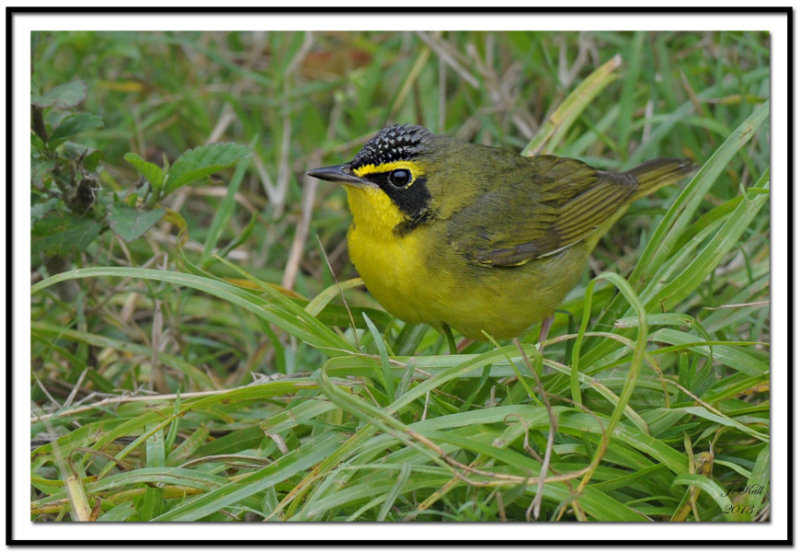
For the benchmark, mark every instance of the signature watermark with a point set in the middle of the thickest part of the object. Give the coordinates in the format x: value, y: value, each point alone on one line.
x: 737, y: 490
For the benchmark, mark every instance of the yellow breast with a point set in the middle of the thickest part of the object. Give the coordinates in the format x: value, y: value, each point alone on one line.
x: 391, y: 266
x: 419, y: 278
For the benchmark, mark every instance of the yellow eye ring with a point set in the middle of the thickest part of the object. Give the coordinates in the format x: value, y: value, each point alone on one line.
x: 414, y: 168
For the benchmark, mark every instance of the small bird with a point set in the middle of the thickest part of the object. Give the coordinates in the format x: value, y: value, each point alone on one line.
x: 477, y: 238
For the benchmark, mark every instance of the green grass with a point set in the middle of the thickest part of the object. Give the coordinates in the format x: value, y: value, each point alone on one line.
x: 213, y: 369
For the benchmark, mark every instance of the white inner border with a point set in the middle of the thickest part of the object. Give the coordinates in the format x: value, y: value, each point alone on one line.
x: 774, y: 23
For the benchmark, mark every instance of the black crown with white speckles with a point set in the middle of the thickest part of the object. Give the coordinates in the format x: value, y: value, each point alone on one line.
x: 394, y: 143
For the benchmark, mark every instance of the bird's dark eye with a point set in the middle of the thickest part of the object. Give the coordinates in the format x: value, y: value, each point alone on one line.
x: 400, y: 178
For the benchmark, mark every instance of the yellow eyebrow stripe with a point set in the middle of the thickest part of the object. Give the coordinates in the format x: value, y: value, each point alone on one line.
x: 415, y: 169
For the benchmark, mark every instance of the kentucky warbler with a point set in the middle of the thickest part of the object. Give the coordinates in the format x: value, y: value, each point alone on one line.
x: 474, y: 237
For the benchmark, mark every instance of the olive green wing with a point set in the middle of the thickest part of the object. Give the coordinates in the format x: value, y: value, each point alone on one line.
x: 558, y: 203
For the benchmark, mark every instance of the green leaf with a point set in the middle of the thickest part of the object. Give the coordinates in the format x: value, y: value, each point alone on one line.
x: 550, y: 133
x: 63, y: 233
x: 151, y: 503
x: 150, y: 171
x: 683, y: 209
x: 203, y: 161
x: 91, y: 157
x: 160, y: 475
x: 41, y: 171
x: 191, y: 372
x: 286, y: 467
x: 223, y: 213
x: 405, y: 471
x: 37, y: 144
x: 40, y: 209
x: 129, y: 223
x: 708, y: 486
x: 63, y: 96
x: 632, y: 77
x: 75, y: 124
x: 274, y: 308
x: 714, y: 251
x: 758, y: 480
x: 702, y: 412
x: 121, y: 512
x: 154, y: 448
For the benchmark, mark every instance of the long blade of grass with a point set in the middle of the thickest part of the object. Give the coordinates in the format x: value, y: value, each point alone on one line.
x: 289, y: 465
x: 280, y: 310
x: 712, y: 254
x: 680, y: 213
x: 223, y: 214
x: 551, y: 132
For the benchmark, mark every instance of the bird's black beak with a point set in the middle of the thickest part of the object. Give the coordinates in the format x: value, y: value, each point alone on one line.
x: 339, y: 173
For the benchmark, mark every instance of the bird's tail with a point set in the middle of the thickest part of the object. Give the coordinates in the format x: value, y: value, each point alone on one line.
x: 660, y: 172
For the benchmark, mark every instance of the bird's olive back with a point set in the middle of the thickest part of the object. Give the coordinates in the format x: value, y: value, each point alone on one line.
x: 460, y: 172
